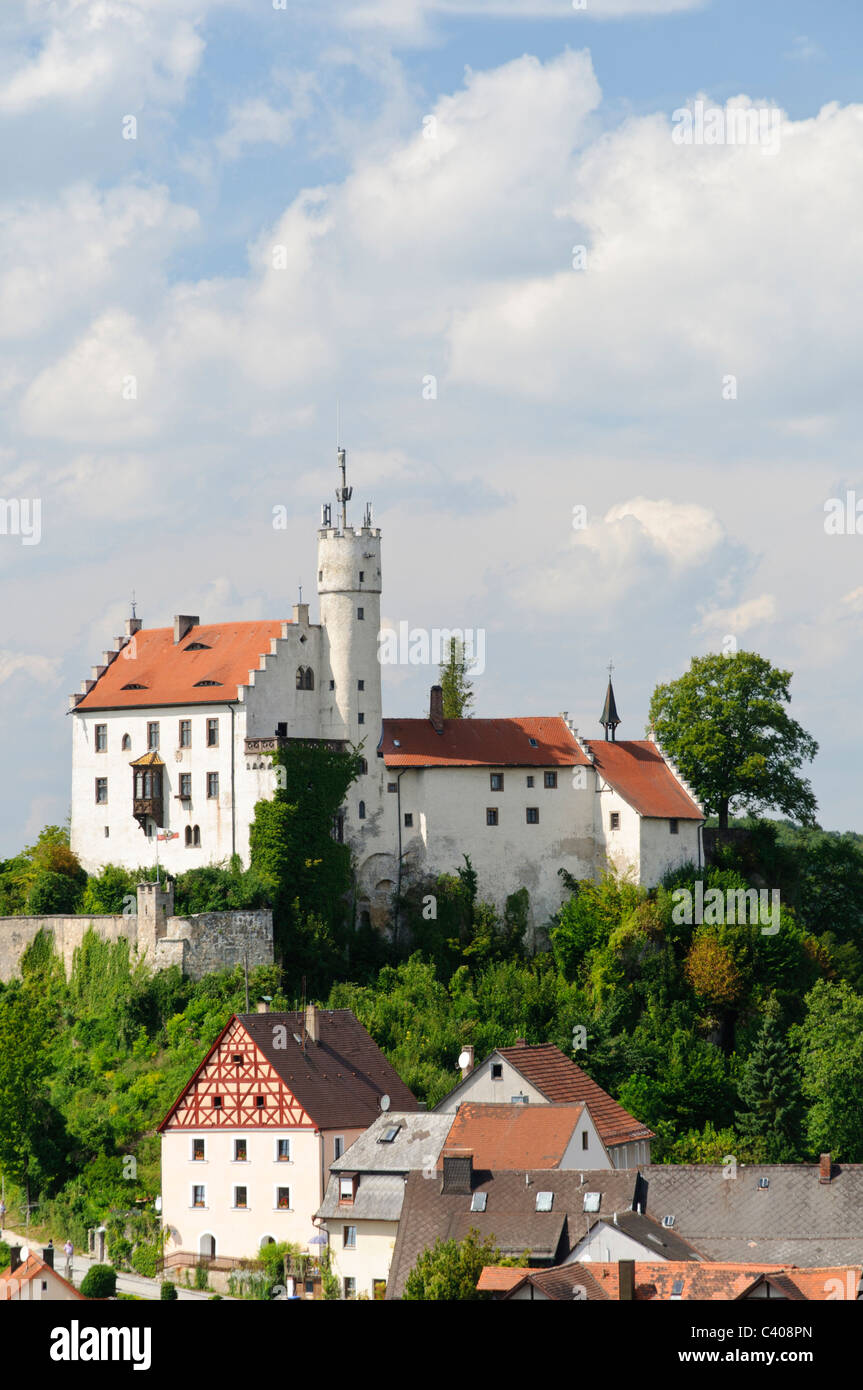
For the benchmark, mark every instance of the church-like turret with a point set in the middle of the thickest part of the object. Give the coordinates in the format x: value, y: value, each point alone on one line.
x: 609, y: 718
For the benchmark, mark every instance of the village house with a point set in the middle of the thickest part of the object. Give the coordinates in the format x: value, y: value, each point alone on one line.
x: 31, y: 1277
x: 248, y: 1143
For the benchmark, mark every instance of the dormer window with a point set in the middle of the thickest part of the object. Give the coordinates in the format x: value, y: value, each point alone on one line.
x: 133, y: 685
x: 197, y: 683
x: 347, y: 1187
x: 196, y: 647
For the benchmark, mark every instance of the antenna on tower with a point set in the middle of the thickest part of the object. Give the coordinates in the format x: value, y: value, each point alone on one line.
x: 343, y: 493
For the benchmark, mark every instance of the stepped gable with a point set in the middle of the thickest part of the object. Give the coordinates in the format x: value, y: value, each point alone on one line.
x: 559, y: 1079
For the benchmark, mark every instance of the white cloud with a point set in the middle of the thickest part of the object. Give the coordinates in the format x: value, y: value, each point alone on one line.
x: 755, y: 612
x: 44, y: 669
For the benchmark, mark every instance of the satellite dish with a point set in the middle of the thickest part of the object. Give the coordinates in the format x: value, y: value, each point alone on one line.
x: 25, y: 1253
x: 463, y: 1059
x: 385, y: 1103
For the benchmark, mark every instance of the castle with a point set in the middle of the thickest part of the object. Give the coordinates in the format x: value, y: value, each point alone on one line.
x: 172, y: 729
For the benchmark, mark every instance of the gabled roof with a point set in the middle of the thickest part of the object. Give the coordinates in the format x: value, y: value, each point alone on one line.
x: 502, y: 1137
x: 795, y: 1220
x: 338, y: 1080
x: 656, y: 1239
x: 480, y: 743
x: 418, y: 1142
x: 379, y: 1197
x: 31, y: 1268
x: 638, y: 772
x: 559, y: 1079
x: 706, y: 1283
x: 171, y: 674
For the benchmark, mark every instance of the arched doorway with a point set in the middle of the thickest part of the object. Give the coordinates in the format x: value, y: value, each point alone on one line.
x: 207, y: 1245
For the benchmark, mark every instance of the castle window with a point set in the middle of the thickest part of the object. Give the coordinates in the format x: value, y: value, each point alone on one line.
x: 496, y: 781
x: 491, y: 815
x: 185, y: 733
x: 392, y: 786
x: 530, y: 781
x: 362, y: 575
x: 107, y: 831
x: 101, y: 740
x: 196, y: 835
x: 188, y: 836
x: 362, y: 810
x: 672, y: 826
x: 532, y: 815
x: 409, y: 818
x: 361, y: 685
x: 361, y: 718
x: 185, y: 792
x: 212, y: 733
x: 361, y: 613
x: 364, y: 767
x: 550, y: 779
x: 101, y: 791
x: 320, y: 576
x: 212, y: 785
x: 153, y: 735
x: 305, y: 678
x: 126, y: 744
x: 332, y: 685
x: 615, y: 820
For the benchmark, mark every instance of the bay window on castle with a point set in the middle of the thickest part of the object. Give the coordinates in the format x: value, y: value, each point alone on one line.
x: 147, y: 789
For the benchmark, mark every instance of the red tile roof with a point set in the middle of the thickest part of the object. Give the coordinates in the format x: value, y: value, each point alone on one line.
x: 559, y: 1079
x: 506, y: 1137
x: 29, y: 1269
x: 500, y: 1278
x: 170, y: 673
x: 480, y: 743
x: 636, y: 769
x: 706, y: 1282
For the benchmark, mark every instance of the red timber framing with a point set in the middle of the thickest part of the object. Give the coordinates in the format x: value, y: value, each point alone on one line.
x: 238, y: 1086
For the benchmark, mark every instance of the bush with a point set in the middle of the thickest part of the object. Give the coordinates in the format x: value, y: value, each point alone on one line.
x: 202, y: 1278
x: 5, y: 1254
x: 168, y: 1291
x: 145, y: 1259
x: 119, y: 1251
x: 100, y: 1281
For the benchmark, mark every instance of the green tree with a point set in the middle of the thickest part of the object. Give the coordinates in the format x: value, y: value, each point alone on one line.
x: 726, y: 725
x: 455, y: 681
x: 31, y: 1131
x: 100, y: 1281
x: 769, y: 1092
x: 450, y: 1270
x: 830, y: 1043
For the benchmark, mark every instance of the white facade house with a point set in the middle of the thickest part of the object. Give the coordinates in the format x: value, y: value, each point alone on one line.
x: 173, y: 727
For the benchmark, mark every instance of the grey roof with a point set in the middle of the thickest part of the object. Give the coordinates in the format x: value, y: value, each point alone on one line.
x: 660, y: 1243
x: 379, y: 1197
x: 510, y: 1218
x: 418, y: 1144
x: 796, y: 1220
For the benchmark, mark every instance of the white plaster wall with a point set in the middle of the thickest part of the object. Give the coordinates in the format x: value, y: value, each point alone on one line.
x: 479, y: 1087
x: 238, y: 1233
x: 594, y: 1155
x: 621, y: 848
x: 607, y: 1242
x: 661, y: 851
x: 373, y: 1254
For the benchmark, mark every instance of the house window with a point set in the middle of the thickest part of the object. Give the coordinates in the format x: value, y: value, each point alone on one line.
x: 338, y: 1146
x: 107, y: 831
x: 199, y: 1150
x: 346, y: 1189
x: 350, y: 1288
x: 585, y: 1139
x: 362, y: 810
x: 283, y: 1150
x: 217, y: 1102
x: 530, y: 780
x: 237, y: 1059
x: 392, y: 786
x: 361, y: 613
x: 283, y: 1198
x: 101, y: 790
x: 496, y: 781
x: 126, y: 743
x: 491, y: 815
x: 672, y: 826
x: 361, y: 718
x: 497, y: 1071
x: 332, y: 685
x: 185, y: 733
x: 532, y: 815
x: 259, y: 1102
x: 305, y: 678
x: 241, y: 1198
x: 241, y: 1151
x: 153, y: 735
x: 185, y: 786
x: 364, y: 767
x: 212, y: 733
x: 362, y: 575
x: 409, y: 818
x: 615, y: 820
x: 196, y: 835
x: 199, y: 1196
x: 349, y: 1237
x: 101, y: 744
x: 212, y: 785
x: 549, y: 779
x: 361, y: 685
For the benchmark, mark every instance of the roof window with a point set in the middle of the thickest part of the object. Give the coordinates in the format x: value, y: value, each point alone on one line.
x: 544, y: 1201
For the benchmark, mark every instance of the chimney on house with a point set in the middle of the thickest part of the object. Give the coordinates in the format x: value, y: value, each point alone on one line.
x: 457, y: 1172
x: 467, y: 1067
x: 263, y: 1006
x: 521, y: 1042
x: 14, y: 1258
x: 436, y: 708
x: 312, y: 1023
x: 626, y: 1281
x: 825, y: 1168
x: 48, y: 1256
x: 183, y: 623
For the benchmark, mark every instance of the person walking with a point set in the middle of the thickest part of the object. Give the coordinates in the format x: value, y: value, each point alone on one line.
x: 68, y: 1251
x: 2, y: 1214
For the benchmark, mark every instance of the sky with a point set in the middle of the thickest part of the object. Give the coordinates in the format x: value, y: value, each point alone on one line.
x: 582, y: 280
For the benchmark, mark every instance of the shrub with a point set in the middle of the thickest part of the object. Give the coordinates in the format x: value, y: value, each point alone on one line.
x: 202, y: 1280
x: 145, y: 1259
x: 100, y: 1281
x: 168, y: 1291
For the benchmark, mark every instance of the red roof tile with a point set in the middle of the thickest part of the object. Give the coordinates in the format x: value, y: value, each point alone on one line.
x: 499, y: 1278
x: 170, y: 673
x: 637, y: 770
x: 480, y: 743
x: 559, y: 1079
x: 505, y: 1137
x: 655, y: 1281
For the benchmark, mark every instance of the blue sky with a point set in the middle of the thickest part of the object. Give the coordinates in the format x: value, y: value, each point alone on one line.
x: 406, y: 257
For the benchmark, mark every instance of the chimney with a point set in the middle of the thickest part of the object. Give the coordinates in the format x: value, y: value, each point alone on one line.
x: 521, y: 1042
x: 457, y: 1171
x: 263, y: 1006
x: 436, y: 708
x: 14, y: 1258
x: 312, y: 1023
x: 183, y: 623
x: 825, y: 1168
x: 48, y: 1256
x: 626, y: 1281
x: 467, y: 1068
